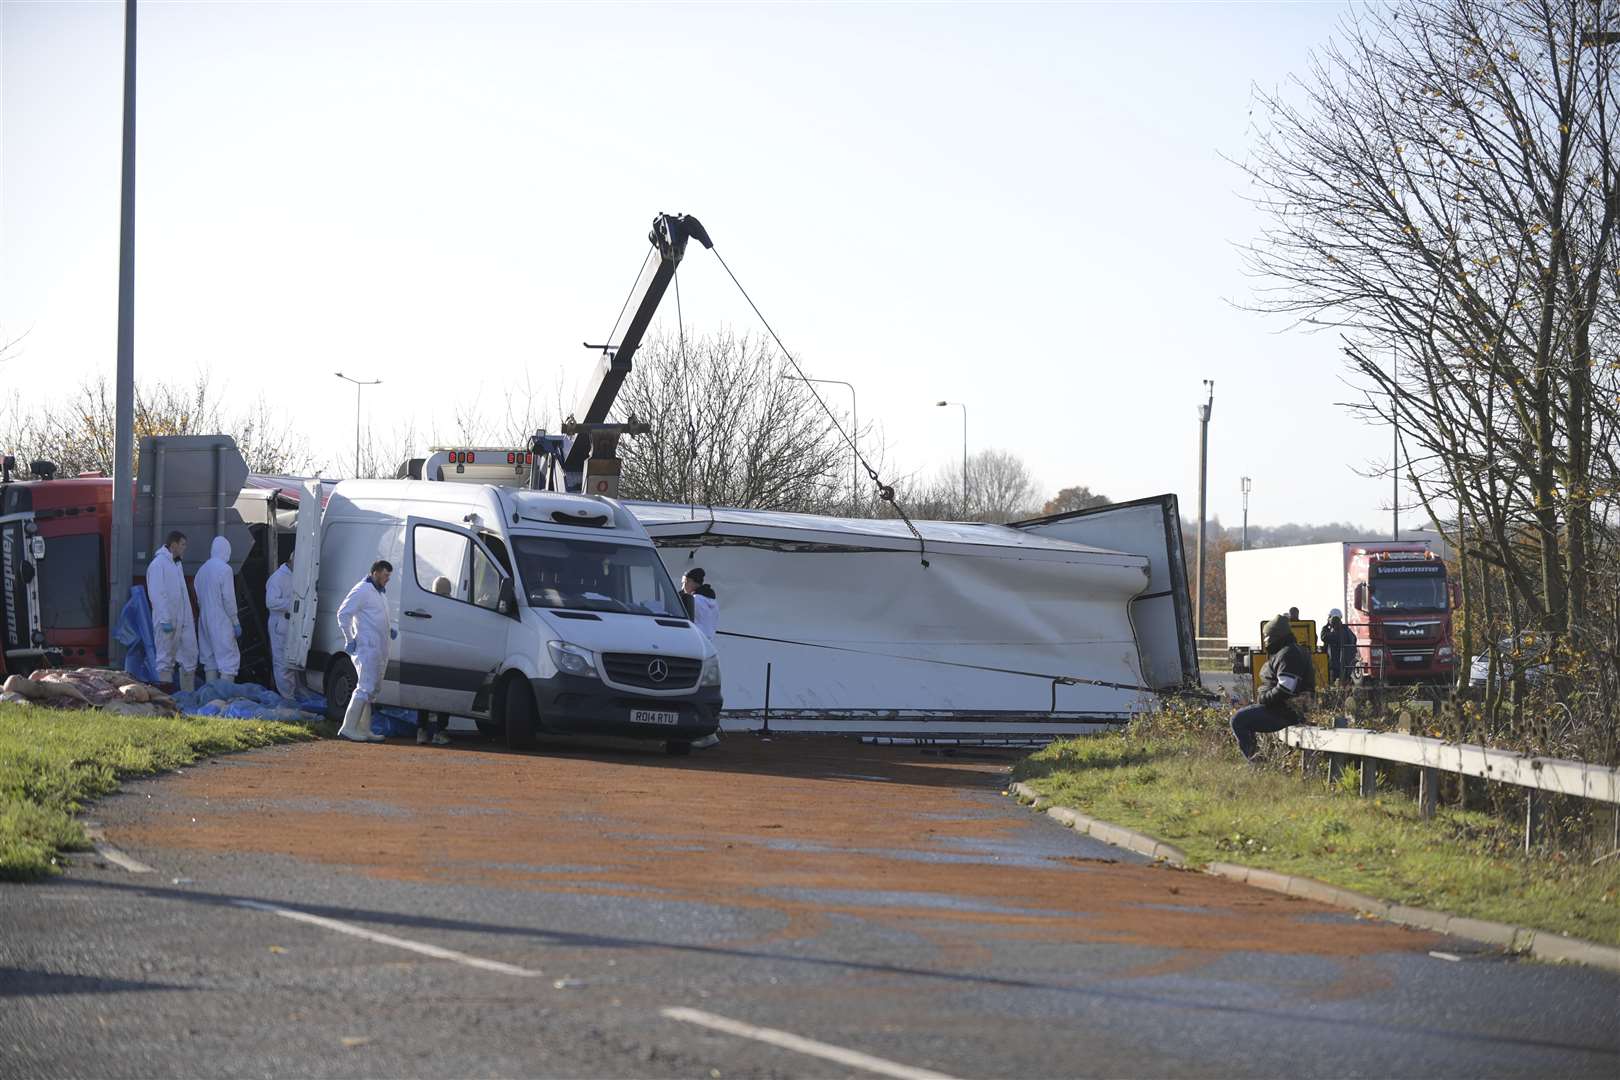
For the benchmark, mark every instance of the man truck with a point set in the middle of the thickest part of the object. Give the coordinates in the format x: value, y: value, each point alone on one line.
x: 1396, y: 596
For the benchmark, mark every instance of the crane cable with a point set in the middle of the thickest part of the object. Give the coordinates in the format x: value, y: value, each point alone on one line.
x: 884, y: 491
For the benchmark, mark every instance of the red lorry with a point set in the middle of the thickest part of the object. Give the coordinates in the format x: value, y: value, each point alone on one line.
x: 1395, y: 595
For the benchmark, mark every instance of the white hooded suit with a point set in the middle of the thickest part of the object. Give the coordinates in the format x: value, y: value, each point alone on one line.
x: 217, y: 625
x: 173, y: 630
x: 363, y: 621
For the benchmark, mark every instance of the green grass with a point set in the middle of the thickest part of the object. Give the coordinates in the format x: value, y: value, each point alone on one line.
x: 1194, y: 791
x: 52, y: 761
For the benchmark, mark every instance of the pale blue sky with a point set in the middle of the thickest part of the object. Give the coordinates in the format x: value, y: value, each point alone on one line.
x: 1023, y: 207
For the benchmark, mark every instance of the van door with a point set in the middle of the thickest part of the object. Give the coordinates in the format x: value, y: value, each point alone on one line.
x: 306, y: 572
x: 451, y: 637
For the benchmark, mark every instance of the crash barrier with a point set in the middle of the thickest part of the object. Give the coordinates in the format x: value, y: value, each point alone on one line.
x: 1539, y: 775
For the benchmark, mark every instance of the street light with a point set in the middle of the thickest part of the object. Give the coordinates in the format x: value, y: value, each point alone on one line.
x: 359, y: 384
x: 963, y: 407
x: 1203, y: 476
x: 855, y: 432
x: 1246, y: 486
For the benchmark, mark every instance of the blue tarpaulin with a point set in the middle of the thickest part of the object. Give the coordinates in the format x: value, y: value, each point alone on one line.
x: 134, y: 632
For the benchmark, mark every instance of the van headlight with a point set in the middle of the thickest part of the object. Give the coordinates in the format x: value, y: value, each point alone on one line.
x: 571, y: 659
x: 711, y: 672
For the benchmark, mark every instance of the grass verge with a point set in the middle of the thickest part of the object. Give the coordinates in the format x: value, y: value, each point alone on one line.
x: 1196, y: 793
x: 52, y: 761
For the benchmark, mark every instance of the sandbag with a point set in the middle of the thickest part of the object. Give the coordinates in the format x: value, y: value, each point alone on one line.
x: 24, y: 687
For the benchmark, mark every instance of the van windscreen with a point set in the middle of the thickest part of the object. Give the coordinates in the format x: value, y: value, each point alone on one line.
x: 588, y: 575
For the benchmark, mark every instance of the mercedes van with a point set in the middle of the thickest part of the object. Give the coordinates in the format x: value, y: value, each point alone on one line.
x: 532, y: 612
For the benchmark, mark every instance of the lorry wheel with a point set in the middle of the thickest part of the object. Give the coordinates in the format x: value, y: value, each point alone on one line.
x: 520, y: 715
x: 678, y: 747
x: 339, y: 686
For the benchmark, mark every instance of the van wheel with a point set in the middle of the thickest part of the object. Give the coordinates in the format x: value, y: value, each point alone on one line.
x: 339, y: 686
x: 490, y: 729
x: 520, y: 715
x: 678, y: 747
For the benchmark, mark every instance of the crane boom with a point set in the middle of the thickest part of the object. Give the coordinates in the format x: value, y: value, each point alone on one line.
x: 668, y: 237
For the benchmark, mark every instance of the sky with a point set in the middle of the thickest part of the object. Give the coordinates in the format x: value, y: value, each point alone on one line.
x: 1029, y: 209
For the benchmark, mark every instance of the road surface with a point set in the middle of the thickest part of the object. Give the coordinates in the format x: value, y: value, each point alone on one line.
x: 791, y: 907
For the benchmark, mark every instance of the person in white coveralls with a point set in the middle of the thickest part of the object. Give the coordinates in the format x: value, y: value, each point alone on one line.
x: 173, y: 630
x: 218, y: 619
x: 363, y: 620
x: 278, y: 600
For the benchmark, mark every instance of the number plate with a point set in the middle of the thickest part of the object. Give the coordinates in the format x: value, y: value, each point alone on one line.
x: 648, y: 716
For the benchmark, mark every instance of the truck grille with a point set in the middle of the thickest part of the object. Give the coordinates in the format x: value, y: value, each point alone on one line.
x: 639, y: 669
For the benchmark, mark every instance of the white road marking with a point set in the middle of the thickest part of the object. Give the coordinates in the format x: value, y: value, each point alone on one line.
x: 112, y: 854
x: 799, y: 1044
x: 388, y: 939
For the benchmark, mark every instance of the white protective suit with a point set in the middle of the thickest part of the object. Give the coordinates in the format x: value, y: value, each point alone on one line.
x: 363, y: 621
x: 218, y: 624
x: 173, y: 630
x: 278, y: 600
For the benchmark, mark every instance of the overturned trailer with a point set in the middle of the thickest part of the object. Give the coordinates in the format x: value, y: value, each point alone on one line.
x: 954, y: 630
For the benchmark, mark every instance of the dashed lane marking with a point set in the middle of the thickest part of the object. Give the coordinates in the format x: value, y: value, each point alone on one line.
x: 388, y: 939
x: 786, y: 1040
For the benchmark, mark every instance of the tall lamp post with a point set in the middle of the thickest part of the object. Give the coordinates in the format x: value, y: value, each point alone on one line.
x: 963, y: 407
x: 123, y: 522
x: 854, y: 435
x: 359, y: 384
x: 1246, y: 486
x: 1203, y: 478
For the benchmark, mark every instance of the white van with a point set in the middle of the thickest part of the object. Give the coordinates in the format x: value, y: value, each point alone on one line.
x: 553, y: 613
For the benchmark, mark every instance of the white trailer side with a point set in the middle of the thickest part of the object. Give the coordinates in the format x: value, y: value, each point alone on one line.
x: 1265, y: 582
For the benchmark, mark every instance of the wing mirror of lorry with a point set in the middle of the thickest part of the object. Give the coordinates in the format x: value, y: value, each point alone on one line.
x: 1454, y: 595
x: 506, y: 602
x: 1361, y: 597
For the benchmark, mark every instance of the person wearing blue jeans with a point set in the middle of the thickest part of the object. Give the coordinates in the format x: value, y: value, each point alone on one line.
x: 1285, y: 680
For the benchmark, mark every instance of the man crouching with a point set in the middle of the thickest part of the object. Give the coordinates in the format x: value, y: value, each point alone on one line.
x: 1284, y: 681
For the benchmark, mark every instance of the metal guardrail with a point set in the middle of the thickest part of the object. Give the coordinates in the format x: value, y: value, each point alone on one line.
x: 1600, y: 783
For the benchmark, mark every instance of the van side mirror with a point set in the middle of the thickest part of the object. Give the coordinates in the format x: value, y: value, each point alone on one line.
x: 1361, y: 597
x: 506, y: 602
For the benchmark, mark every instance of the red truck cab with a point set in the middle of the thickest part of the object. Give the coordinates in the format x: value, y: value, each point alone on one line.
x: 1401, y: 598
x: 53, y: 553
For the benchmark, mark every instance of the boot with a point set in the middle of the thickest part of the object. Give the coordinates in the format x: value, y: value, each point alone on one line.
x: 212, y: 674
x: 357, y: 722
x: 188, y: 681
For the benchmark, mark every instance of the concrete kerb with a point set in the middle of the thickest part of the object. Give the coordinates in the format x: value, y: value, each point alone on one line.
x: 1540, y: 944
x: 1108, y: 833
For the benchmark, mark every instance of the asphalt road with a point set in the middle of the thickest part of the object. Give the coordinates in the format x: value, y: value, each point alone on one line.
x: 340, y: 910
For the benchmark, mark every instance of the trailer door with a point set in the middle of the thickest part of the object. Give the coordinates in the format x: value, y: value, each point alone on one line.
x: 306, y: 572
x: 1162, y: 616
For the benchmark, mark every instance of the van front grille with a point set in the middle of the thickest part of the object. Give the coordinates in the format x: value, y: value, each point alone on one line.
x: 640, y: 669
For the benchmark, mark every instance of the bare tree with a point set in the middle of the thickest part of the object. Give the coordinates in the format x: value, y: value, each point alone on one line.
x: 1442, y: 189
x: 1000, y: 488
x: 77, y: 434
x: 728, y: 429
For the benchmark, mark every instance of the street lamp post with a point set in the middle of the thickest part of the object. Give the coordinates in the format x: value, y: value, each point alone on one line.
x: 1246, y: 485
x: 854, y: 435
x: 359, y: 384
x: 1203, y: 478
x: 963, y: 407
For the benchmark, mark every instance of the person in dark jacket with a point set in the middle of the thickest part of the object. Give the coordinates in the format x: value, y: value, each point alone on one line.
x: 1284, y: 681
x: 1340, y: 642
